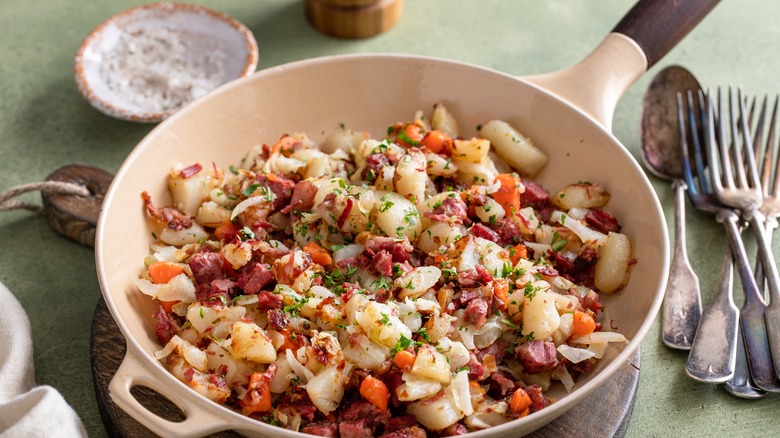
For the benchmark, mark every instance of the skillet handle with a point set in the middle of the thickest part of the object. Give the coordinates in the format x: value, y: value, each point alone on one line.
x: 649, y: 30
x: 133, y: 372
x: 658, y: 25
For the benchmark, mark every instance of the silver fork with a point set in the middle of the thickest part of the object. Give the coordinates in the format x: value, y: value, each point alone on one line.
x: 712, y: 355
x: 770, y: 175
x: 770, y: 207
x: 736, y: 184
x: 713, y: 351
x: 741, y: 385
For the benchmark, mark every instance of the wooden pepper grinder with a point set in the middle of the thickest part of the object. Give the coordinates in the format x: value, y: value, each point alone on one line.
x: 353, y: 19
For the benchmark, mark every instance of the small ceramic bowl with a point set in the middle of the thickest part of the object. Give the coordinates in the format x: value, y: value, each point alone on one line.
x: 145, y: 63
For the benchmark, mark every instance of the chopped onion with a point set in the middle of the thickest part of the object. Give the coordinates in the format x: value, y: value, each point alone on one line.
x: 326, y: 389
x: 566, y: 379
x: 192, y: 354
x: 347, y: 252
x: 303, y: 373
x: 599, y: 338
x: 578, y: 212
x: 540, y: 249
x: 246, y: 203
x: 573, y: 354
x: 582, y: 231
x: 460, y: 392
x: 179, y: 288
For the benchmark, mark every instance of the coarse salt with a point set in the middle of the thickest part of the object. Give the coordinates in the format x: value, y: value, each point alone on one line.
x: 161, y: 69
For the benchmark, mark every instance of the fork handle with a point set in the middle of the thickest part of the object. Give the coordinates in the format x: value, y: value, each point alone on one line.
x: 657, y: 26
x: 754, y: 329
x: 682, y: 299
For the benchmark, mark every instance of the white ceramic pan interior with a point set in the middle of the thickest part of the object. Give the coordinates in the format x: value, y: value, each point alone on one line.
x: 567, y: 114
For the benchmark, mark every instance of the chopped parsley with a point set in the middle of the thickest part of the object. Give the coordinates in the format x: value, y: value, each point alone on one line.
x: 529, y: 291
x: 402, y: 344
x: 295, y: 309
x: 424, y: 335
x: 245, y: 234
x: 558, y: 242
x: 385, y: 205
x: 380, y: 283
x: 385, y: 320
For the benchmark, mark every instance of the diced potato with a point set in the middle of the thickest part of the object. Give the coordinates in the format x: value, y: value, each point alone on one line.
x: 436, y: 414
x: 212, y: 214
x: 438, y: 326
x: 481, y: 173
x: 237, y: 255
x: 188, y: 193
x: 345, y: 140
x: 237, y: 372
x: 193, y: 234
x: 514, y: 148
x: 397, y: 216
x: 417, y: 387
x: 581, y: 195
x: 417, y: 281
x: 473, y: 150
x: 540, y: 316
x: 612, y: 266
x: 456, y: 353
x: 364, y: 353
x: 440, y: 234
x: 410, y: 176
x: 326, y: 389
x: 203, y: 384
x: 442, y: 120
x: 431, y: 364
x: 471, y: 251
x: 378, y: 321
x: 251, y: 342
x: 491, y: 212
x: 436, y: 164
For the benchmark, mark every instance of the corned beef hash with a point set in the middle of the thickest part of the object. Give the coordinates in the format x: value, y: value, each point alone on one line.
x: 416, y: 285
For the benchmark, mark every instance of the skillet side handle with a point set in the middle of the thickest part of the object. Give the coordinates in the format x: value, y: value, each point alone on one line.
x: 658, y: 25
x: 133, y: 372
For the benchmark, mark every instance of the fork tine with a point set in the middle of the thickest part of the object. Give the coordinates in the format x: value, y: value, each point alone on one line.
x: 732, y: 149
x: 715, y: 145
x: 758, y: 147
x: 698, y: 156
x: 747, y: 146
x: 684, y: 147
x: 771, y: 144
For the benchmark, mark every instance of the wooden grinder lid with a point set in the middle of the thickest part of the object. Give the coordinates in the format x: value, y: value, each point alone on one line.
x: 353, y: 19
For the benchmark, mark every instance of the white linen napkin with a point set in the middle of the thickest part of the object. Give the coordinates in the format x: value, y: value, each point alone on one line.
x: 27, y: 410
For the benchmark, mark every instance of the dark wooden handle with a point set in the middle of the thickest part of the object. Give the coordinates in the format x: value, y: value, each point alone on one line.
x: 75, y: 216
x: 658, y: 25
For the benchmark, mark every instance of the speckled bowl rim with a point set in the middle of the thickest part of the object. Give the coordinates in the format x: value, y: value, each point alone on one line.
x: 108, y: 108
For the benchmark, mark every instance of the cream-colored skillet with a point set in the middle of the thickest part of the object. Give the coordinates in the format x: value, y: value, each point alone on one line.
x: 567, y: 114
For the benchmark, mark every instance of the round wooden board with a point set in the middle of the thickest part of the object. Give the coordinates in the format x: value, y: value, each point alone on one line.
x: 604, y: 413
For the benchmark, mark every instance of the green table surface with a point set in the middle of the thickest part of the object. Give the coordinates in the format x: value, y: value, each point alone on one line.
x: 45, y: 123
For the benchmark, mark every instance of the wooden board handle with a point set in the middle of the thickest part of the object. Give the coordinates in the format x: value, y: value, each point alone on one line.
x: 76, y: 216
x: 658, y: 25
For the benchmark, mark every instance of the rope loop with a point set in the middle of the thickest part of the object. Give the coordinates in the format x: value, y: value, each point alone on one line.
x: 7, y: 203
